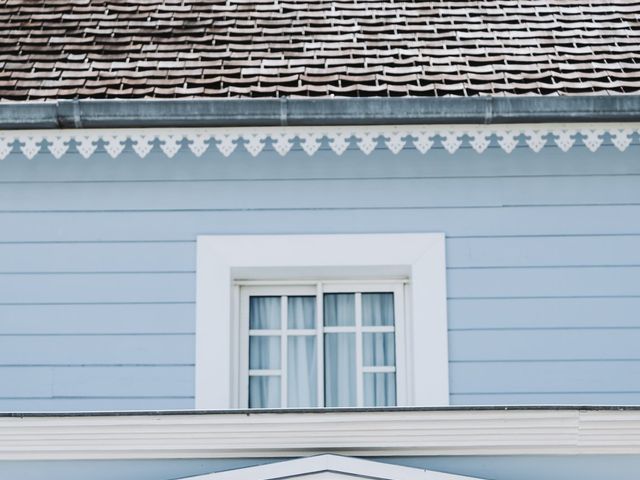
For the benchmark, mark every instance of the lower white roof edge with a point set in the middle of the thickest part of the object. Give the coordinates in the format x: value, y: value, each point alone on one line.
x: 298, y: 434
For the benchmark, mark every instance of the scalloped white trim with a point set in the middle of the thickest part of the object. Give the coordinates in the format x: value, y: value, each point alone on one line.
x: 310, y: 139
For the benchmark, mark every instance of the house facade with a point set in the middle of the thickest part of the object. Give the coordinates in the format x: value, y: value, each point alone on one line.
x: 196, y: 282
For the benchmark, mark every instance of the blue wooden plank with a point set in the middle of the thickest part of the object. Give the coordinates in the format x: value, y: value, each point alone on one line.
x: 506, y: 467
x: 544, y: 344
x: 26, y: 382
x: 543, y: 377
x: 93, y: 288
x: 531, y: 467
x: 85, y: 404
x: 544, y: 282
x: 547, y: 398
x: 98, y: 257
x: 543, y: 313
x: 114, y: 350
x: 349, y: 193
x: 156, y: 469
x: 185, y: 226
x: 97, y: 319
x: 543, y: 251
x: 126, y: 381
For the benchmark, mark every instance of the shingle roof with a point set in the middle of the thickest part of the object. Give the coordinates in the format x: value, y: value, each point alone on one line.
x: 252, y: 48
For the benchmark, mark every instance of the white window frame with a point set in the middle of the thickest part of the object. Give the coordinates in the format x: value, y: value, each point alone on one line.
x: 225, y: 260
x: 317, y: 289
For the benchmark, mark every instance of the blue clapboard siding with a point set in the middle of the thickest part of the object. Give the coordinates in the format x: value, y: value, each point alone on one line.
x: 508, y: 467
x: 97, y: 264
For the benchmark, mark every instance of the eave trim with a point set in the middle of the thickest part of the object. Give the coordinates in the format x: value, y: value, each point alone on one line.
x: 309, y: 140
x: 293, y: 434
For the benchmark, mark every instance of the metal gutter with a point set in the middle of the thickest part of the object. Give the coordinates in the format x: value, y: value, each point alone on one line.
x: 309, y: 111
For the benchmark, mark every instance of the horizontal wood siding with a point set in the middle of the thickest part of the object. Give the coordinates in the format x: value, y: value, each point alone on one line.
x: 97, y: 264
x: 506, y: 467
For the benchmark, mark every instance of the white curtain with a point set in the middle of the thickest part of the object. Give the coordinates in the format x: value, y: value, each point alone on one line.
x: 264, y: 392
x: 340, y: 369
x: 302, y: 360
x: 264, y: 313
x: 339, y: 310
x: 378, y: 350
x: 302, y: 375
x: 377, y: 309
x: 379, y: 389
x: 264, y: 352
x: 339, y: 351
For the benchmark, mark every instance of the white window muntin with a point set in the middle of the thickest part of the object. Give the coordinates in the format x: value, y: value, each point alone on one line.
x: 317, y: 289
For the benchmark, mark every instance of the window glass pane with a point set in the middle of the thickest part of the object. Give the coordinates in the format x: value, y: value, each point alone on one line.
x: 377, y: 309
x: 379, y: 389
x: 339, y: 309
x: 264, y: 392
x: 264, y: 353
x: 301, y: 312
x: 340, y: 369
x: 378, y: 349
x: 302, y: 375
x: 264, y: 313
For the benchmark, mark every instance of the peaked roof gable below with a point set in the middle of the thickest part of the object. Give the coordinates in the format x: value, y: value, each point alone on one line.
x: 329, y: 467
x: 264, y: 48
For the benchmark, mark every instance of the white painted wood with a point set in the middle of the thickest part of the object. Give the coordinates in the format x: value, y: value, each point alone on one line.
x: 429, y: 325
x: 226, y: 140
x: 359, y: 356
x: 213, y: 327
x: 403, y: 393
x: 251, y: 434
x: 225, y: 259
x: 320, y: 341
x: 329, y: 467
x: 284, y: 339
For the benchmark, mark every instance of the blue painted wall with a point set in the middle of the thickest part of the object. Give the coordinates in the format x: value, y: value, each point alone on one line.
x: 511, y: 467
x: 97, y: 264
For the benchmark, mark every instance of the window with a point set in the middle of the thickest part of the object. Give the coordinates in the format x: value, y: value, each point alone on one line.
x: 324, y: 343
x: 265, y: 302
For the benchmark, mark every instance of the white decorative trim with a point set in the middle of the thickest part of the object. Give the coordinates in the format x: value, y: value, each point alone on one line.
x: 293, y: 434
x: 420, y: 257
x: 329, y: 467
x: 395, y: 138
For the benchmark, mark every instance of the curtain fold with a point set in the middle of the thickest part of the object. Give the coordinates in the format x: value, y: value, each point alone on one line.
x: 264, y: 352
x: 340, y: 369
x: 302, y: 360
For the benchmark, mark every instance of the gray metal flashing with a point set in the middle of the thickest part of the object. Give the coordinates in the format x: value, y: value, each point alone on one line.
x: 317, y: 112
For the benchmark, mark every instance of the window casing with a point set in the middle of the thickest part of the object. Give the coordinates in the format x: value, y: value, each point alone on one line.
x: 322, y: 344
x: 225, y: 263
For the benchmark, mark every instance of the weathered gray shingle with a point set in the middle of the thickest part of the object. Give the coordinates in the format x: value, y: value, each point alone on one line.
x: 254, y: 48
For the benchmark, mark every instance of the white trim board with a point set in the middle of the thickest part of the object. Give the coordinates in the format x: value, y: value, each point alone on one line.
x: 224, y: 259
x: 291, y: 434
x: 329, y: 467
x: 394, y: 138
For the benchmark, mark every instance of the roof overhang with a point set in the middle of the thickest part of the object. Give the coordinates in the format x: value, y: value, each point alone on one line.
x: 286, y: 434
x: 308, y: 111
x: 329, y: 467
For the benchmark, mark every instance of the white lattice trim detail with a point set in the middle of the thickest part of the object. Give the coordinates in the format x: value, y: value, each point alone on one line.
x: 308, y: 140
